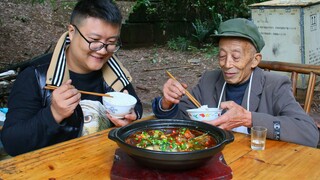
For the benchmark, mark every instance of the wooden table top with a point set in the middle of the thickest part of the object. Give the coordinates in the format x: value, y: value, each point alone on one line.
x: 91, y: 157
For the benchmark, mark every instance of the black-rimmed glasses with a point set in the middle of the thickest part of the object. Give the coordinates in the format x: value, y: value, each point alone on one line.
x: 97, y: 45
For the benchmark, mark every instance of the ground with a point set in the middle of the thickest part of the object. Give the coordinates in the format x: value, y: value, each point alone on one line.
x: 28, y: 31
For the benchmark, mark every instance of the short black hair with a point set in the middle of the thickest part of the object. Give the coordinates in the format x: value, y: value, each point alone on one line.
x: 105, y: 10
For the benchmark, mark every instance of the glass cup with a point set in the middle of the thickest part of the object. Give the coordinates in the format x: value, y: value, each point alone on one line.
x: 258, y: 137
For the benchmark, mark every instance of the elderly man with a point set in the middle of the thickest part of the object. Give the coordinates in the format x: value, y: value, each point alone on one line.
x: 248, y: 95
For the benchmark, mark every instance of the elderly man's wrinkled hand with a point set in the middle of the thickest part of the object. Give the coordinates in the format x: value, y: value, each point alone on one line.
x: 172, y: 93
x: 234, y: 116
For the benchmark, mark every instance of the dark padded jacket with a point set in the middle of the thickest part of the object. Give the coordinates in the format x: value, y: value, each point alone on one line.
x: 29, y: 123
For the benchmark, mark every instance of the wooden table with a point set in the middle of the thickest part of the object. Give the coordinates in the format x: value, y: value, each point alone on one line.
x: 91, y: 157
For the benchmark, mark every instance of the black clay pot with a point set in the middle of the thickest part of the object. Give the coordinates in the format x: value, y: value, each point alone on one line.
x: 170, y: 160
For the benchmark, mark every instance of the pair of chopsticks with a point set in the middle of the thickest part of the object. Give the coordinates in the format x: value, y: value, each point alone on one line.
x: 50, y: 87
x: 192, y: 99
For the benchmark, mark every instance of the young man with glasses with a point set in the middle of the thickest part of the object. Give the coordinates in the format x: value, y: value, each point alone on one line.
x: 83, y: 59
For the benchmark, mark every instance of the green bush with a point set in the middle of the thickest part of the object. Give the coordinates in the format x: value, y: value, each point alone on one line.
x: 202, y: 31
x: 179, y: 43
x: 204, y: 15
x: 190, y: 10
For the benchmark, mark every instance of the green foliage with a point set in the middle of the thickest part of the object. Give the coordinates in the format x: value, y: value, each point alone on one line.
x: 202, y: 30
x: 210, y: 50
x: 141, y: 3
x: 37, y: 1
x: 179, y: 43
x: 204, y: 16
x: 155, y: 58
x: 68, y: 5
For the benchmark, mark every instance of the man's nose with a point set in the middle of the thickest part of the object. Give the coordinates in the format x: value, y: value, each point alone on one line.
x: 228, y: 62
x: 103, y: 50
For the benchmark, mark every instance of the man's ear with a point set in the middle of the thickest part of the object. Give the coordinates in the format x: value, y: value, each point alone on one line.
x: 256, y: 60
x: 71, y: 30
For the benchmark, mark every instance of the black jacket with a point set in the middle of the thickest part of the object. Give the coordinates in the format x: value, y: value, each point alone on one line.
x: 29, y: 123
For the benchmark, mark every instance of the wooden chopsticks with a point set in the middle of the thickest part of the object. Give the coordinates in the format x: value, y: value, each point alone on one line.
x: 50, y: 87
x: 192, y: 99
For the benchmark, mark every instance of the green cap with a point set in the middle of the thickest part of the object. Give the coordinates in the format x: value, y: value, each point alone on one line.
x: 241, y: 27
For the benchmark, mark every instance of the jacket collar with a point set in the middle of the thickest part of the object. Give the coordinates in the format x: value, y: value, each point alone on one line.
x: 218, y: 88
x: 256, y: 89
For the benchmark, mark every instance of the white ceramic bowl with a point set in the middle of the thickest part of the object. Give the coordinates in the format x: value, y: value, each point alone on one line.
x: 120, y: 104
x: 204, y: 113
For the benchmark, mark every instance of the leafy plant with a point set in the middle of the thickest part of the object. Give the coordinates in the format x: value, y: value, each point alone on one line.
x: 155, y: 57
x: 202, y: 31
x: 210, y: 50
x: 179, y: 43
x: 141, y: 3
x: 144, y: 8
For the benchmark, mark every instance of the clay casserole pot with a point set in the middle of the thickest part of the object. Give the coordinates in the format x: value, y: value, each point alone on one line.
x: 170, y: 160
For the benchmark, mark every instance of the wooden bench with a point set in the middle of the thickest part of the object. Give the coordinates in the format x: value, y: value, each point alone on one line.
x: 295, y: 69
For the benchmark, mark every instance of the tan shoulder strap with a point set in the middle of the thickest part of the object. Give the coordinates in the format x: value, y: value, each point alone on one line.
x: 58, y: 70
x: 115, y: 74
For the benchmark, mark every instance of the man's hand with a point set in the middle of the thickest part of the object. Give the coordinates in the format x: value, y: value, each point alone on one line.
x: 234, y: 116
x: 64, y: 100
x: 128, y: 118
x: 172, y: 93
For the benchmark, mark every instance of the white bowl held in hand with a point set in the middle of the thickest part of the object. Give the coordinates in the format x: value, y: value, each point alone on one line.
x: 120, y: 104
x: 204, y: 113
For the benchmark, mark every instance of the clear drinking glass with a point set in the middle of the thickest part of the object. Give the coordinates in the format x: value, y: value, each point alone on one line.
x: 258, y: 137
